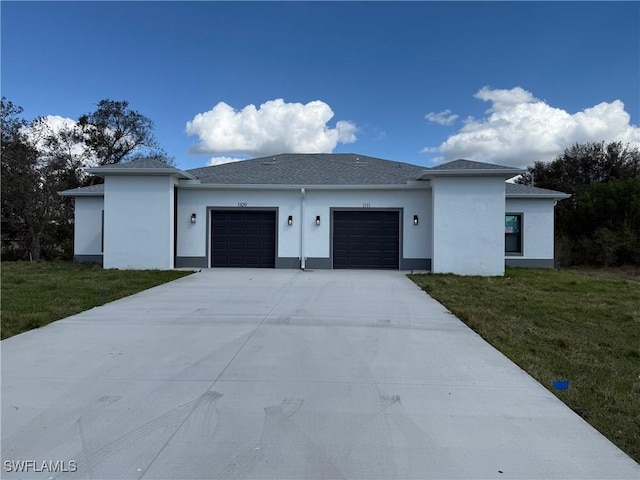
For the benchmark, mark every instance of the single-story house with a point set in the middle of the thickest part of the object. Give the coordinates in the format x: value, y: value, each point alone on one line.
x: 314, y: 211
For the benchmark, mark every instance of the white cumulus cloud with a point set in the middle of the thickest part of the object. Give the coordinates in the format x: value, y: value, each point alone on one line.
x: 56, y: 122
x: 446, y: 117
x: 45, y: 126
x: 519, y: 129
x: 54, y: 125
x: 346, y: 131
x: 222, y: 160
x: 274, y: 127
x: 501, y: 98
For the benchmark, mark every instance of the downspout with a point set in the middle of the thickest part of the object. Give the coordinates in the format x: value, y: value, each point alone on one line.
x: 302, y: 257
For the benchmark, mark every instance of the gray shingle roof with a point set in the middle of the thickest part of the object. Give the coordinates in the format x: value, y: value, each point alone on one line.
x: 142, y: 166
x: 515, y: 189
x: 310, y: 169
x: 91, y: 190
x: 140, y: 163
x: 318, y: 169
x: 462, y: 164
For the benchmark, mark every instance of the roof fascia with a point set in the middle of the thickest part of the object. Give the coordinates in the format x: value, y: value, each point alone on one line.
x: 480, y: 172
x: 123, y: 171
x: 81, y: 194
x: 544, y: 196
x: 553, y: 196
x: 226, y: 186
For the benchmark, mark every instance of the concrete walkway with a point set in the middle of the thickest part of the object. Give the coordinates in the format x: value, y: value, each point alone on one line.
x: 278, y: 374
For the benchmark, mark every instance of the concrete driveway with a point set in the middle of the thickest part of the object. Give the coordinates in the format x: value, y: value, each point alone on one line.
x: 280, y: 374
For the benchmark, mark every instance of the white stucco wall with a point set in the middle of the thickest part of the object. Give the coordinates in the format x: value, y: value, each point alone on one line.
x: 537, y: 227
x: 468, y: 225
x: 87, y: 228
x: 138, y: 222
x: 193, y: 239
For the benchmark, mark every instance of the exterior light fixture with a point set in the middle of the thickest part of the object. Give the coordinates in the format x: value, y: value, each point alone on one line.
x: 318, y: 220
x: 193, y: 218
x: 415, y: 219
x: 290, y: 220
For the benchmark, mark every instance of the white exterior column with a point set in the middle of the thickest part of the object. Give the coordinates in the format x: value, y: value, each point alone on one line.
x: 468, y: 225
x: 139, y: 222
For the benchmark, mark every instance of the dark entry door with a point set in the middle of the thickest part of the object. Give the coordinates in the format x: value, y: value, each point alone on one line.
x: 243, y: 238
x: 366, y: 239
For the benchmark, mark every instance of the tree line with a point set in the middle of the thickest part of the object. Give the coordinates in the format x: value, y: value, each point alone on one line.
x: 38, y: 161
x: 600, y: 223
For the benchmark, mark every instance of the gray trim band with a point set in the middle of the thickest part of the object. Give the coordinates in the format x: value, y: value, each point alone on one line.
x: 191, y: 262
x: 415, y: 264
x: 287, y: 262
x: 88, y: 259
x: 318, y: 263
x: 530, y: 262
x: 281, y: 262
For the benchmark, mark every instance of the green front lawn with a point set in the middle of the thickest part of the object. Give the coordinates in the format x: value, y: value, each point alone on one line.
x: 581, y: 326
x: 37, y: 293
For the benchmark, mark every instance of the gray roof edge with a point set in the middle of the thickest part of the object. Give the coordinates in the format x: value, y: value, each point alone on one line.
x: 516, y: 190
x: 90, y: 191
x: 140, y: 171
x: 98, y: 190
x: 557, y: 196
x: 494, y: 172
x: 464, y: 167
x: 280, y: 186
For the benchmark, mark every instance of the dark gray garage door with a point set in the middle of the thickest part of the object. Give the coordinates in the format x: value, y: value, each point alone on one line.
x: 366, y: 239
x: 243, y: 238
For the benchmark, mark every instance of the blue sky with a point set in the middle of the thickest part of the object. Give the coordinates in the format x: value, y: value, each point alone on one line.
x: 421, y: 82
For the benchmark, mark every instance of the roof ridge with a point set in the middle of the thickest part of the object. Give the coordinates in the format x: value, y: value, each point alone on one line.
x: 310, y: 168
x: 145, y: 162
x: 464, y: 161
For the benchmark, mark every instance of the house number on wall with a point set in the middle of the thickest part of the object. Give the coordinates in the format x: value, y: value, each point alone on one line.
x: 366, y: 205
x: 242, y: 204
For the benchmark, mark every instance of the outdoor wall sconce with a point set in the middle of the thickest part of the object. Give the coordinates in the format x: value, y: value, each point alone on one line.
x: 193, y: 218
x: 317, y: 220
x: 415, y: 219
x: 290, y: 220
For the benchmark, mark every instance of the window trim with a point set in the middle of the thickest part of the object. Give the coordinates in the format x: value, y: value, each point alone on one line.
x: 521, y: 252
x: 102, y: 232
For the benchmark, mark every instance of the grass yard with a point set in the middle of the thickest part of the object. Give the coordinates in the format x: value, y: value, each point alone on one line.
x: 582, y: 326
x: 37, y: 293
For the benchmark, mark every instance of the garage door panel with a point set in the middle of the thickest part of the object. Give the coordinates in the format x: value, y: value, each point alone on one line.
x: 252, y: 260
x: 243, y: 238
x: 366, y: 239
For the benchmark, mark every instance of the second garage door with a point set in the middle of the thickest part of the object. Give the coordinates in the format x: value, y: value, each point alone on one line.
x: 242, y: 238
x: 366, y: 239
